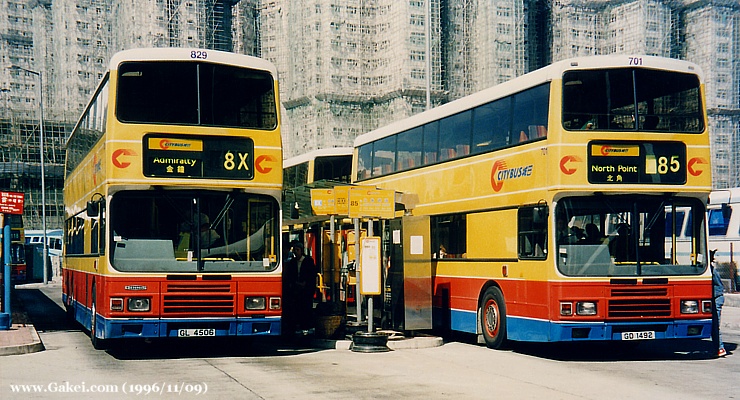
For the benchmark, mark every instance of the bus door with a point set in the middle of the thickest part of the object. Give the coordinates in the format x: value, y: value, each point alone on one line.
x: 410, y: 274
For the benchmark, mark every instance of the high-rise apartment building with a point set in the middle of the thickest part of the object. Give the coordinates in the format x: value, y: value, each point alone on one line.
x: 345, y: 66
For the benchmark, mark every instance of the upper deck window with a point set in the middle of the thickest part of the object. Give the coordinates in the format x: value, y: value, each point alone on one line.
x: 185, y: 93
x: 628, y: 99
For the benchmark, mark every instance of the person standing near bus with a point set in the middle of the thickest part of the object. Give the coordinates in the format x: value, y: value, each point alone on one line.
x: 719, y: 301
x: 299, y: 277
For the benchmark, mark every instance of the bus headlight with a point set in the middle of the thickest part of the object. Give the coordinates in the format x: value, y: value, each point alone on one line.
x: 586, y: 308
x: 689, y: 307
x: 139, y: 304
x: 254, y: 303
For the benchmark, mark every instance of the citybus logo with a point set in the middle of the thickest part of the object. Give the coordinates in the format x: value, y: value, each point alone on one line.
x: 174, y: 144
x: 166, y: 144
x: 500, y: 173
x: 606, y: 150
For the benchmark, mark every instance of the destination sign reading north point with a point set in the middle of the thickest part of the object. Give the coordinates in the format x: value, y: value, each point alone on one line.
x: 642, y: 163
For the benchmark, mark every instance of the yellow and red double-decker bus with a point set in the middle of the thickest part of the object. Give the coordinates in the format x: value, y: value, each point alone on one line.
x: 172, y: 199
x: 545, y: 207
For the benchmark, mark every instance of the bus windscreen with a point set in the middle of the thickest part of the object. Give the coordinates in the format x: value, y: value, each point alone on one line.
x: 629, y: 236
x: 627, y: 99
x: 181, y: 93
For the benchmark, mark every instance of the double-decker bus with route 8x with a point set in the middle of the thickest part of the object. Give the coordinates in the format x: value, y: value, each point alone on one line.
x: 545, y: 207
x: 172, y: 198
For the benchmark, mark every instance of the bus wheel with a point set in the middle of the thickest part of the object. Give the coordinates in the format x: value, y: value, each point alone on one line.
x: 98, y: 344
x: 493, y: 318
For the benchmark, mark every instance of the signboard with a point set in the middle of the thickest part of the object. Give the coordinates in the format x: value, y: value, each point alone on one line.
x: 322, y: 202
x: 341, y: 199
x: 170, y: 156
x: 637, y: 162
x: 365, y: 202
x: 11, y: 203
x: 370, y: 266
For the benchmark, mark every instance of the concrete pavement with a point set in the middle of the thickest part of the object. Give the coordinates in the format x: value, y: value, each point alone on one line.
x: 22, y: 337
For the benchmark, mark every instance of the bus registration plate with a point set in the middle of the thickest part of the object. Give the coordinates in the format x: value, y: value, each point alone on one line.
x: 195, y: 332
x: 638, y: 335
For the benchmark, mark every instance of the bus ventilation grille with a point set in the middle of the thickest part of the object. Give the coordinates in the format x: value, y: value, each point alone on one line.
x: 639, y: 302
x: 198, y: 299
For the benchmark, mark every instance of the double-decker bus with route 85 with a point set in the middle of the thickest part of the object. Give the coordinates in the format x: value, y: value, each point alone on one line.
x: 545, y: 207
x: 172, y: 197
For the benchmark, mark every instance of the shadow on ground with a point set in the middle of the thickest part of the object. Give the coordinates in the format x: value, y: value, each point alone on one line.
x: 681, y: 349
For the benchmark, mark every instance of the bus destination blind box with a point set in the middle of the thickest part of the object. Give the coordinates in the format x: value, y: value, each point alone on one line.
x: 168, y: 156
x: 633, y: 162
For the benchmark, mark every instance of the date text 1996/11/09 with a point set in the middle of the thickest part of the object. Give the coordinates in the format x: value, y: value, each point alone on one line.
x: 644, y: 335
x: 195, y: 332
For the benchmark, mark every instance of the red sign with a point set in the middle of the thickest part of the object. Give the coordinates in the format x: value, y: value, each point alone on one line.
x: 119, y: 153
x: 263, y: 169
x: 11, y: 203
x: 694, y: 166
x: 567, y: 162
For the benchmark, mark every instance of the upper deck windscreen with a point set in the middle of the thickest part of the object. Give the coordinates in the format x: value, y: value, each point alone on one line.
x: 185, y: 93
x: 630, y: 99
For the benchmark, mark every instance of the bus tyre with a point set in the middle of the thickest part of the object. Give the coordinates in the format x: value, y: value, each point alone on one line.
x: 98, y: 344
x: 493, y: 318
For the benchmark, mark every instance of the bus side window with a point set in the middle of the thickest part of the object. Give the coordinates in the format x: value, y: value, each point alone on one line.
x: 718, y: 222
x: 532, y: 232
x: 449, y: 238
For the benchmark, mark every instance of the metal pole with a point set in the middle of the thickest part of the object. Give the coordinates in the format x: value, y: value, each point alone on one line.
x: 43, y: 176
x: 332, y: 228
x: 370, y: 311
x: 42, y: 150
x: 358, y: 296
x: 6, y: 271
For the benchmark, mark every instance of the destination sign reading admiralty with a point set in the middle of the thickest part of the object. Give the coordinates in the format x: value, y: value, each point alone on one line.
x: 171, y: 156
x: 637, y: 162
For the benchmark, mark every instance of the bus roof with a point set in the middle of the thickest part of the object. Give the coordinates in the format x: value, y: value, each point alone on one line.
x: 542, y: 75
x: 725, y: 196
x: 191, y: 54
x: 328, y: 152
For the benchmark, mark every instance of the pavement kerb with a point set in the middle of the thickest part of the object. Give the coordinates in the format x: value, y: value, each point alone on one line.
x: 20, y: 339
x: 400, y: 343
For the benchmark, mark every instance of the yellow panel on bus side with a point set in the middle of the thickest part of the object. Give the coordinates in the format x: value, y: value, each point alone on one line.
x: 492, y: 234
